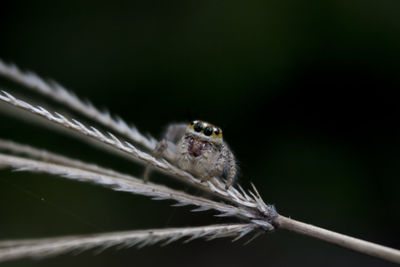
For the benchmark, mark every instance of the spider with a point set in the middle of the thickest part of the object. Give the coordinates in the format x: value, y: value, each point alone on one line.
x: 199, y: 149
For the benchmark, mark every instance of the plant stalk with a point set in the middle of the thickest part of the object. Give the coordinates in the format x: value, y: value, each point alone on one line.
x: 355, y: 244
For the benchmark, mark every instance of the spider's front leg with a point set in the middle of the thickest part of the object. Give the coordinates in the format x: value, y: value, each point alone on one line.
x: 213, y: 165
x: 206, y: 178
x: 166, y: 147
x: 221, y: 164
x: 157, y: 153
x: 230, y: 170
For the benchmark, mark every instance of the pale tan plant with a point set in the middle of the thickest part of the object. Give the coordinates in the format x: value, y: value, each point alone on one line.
x: 256, y: 217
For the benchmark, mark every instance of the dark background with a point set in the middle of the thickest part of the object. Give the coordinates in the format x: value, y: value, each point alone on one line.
x: 305, y: 91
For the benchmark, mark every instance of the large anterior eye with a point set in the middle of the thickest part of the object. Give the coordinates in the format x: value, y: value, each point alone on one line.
x: 208, y: 131
x: 198, y: 127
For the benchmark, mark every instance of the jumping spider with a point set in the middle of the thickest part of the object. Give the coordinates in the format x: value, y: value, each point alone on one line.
x: 199, y: 149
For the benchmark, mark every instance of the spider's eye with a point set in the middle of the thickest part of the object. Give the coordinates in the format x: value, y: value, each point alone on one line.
x: 216, y: 131
x: 192, y: 123
x: 198, y: 127
x: 208, y: 131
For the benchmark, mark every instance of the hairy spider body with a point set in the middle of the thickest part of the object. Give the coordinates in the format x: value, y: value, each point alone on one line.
x: 199, y: 149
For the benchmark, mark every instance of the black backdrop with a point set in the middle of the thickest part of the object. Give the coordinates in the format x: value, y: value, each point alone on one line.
x: 306, y: 93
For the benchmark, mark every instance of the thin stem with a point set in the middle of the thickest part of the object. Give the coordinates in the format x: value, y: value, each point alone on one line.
x: 359, y: 245
x: 41, y: 248
x: 131, y: 185
x: 47, y: 156
x: 60, y: 94
x: 214, y: 186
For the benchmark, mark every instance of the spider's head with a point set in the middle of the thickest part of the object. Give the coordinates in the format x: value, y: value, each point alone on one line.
x: 205, y: 131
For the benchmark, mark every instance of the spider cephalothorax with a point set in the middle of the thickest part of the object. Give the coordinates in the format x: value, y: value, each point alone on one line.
x: 198, y: 147
x: 200, y: 137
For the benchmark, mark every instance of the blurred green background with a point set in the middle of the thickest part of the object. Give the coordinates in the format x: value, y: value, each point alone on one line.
x: 305, y: 91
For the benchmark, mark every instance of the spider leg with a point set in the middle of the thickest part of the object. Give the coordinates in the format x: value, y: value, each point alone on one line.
x: 230, y: 171
x: 157, y: 153
x: 166, y: 147
x: 206, y: 178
